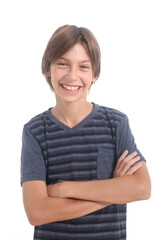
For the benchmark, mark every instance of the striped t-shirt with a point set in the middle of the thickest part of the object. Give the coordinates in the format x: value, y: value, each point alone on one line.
x: 54, y: 152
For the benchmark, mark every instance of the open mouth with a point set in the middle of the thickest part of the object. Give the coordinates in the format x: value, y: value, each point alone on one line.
x: 70, y: 88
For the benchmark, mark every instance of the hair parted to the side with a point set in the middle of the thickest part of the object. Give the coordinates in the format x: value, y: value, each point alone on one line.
x: 63, y: 39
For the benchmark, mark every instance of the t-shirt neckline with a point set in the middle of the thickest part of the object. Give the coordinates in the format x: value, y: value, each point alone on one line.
x: 77, y: 126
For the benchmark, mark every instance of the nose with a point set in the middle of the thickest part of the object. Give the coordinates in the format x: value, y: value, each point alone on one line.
x: 72, y: 74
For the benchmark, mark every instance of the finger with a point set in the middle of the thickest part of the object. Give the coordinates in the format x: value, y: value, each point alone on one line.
x: 128, y: 158
x: 129, y: 164
x: 124, y: 154
x: 133, y: 169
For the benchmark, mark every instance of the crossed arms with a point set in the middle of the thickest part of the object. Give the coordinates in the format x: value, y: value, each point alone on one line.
x: 69, y: 200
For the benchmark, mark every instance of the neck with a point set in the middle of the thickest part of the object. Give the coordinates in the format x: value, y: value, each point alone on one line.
x: 71, y: 113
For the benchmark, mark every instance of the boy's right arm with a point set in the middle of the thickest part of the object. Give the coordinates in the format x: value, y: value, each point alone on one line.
x: 42, y: 209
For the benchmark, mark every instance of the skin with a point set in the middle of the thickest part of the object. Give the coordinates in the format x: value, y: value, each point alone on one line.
x: 119, y: 190
x: 131, y: 182
x: 73, y: 69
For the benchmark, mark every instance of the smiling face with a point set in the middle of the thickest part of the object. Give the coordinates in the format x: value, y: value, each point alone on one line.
x: 72, y: 75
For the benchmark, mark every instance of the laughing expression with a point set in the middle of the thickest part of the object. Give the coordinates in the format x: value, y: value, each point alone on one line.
x: 72, y: 74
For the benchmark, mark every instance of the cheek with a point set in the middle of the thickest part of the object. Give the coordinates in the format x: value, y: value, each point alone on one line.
x: 56, y: 76
x: 87, y: 78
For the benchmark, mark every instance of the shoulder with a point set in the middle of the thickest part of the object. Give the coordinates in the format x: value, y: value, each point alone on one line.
x: 37, y: 123
x: 112, y: 114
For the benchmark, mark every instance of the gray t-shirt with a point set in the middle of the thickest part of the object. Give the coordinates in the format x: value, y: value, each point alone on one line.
x: 53, y: 152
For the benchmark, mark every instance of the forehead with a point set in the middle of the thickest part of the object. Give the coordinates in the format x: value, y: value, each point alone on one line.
x: 77, y: 52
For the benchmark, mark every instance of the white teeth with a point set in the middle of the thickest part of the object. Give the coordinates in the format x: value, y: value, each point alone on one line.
x: 70, y: 88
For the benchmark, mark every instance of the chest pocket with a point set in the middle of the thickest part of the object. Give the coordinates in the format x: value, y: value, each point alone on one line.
x: 105, y: 163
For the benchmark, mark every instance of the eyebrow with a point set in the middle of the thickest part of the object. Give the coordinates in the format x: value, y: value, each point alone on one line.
x: 81, y: 61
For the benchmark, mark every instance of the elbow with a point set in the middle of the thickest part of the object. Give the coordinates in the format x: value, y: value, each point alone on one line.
x: 146, y: 194
x: 35, y: 211
x: 36, y: 220
x: 33, y: 218
x: 33, y: 222
x: 35, y: 215
x: 144, y: 191
x: 39, y: 215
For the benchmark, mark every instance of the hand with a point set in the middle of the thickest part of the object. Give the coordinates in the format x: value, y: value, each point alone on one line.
x: 126, y: 165
x: 57, y: 190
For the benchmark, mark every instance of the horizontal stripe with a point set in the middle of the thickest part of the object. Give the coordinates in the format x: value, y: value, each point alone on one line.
x: 87, y: 230
x: 76, y: 168
x: 81, y: 142
x: 61, y: 225
x: 67, y: 164
x: 119, y: 237
x: 67, y: 159
x: 76, y: 150
x: 109, y: 235
x: 72, y: 177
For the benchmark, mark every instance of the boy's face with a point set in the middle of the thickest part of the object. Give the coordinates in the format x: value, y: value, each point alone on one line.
x: 72, y: 74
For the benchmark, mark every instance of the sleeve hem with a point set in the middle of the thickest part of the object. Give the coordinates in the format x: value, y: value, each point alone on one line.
x: 32, y: 178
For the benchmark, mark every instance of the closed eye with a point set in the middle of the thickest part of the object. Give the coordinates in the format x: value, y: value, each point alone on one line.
x: 62, y: 64
x: 84, y: 66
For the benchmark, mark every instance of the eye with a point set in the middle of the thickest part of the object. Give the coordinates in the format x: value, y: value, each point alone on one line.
x: 84, y: 67
x: 62, y: 64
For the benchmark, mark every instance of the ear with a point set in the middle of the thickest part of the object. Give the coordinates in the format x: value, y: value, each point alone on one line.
x: 93, y: 80
x: 48, y: 74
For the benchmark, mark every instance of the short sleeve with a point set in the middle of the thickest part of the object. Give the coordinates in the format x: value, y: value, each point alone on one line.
x: 125, y: 139
x: 32, y: 160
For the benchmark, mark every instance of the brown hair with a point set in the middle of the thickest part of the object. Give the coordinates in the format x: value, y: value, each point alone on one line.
x: 63, y: 39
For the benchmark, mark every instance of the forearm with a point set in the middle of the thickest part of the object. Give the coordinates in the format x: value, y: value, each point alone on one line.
x: 119, y: 190
x: 58, y: 209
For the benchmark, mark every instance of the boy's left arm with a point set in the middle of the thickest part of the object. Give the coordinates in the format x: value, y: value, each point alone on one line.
x: 117, y: 190
x: 131, y: 182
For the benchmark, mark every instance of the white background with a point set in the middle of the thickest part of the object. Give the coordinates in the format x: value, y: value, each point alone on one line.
x: 129, y: 36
